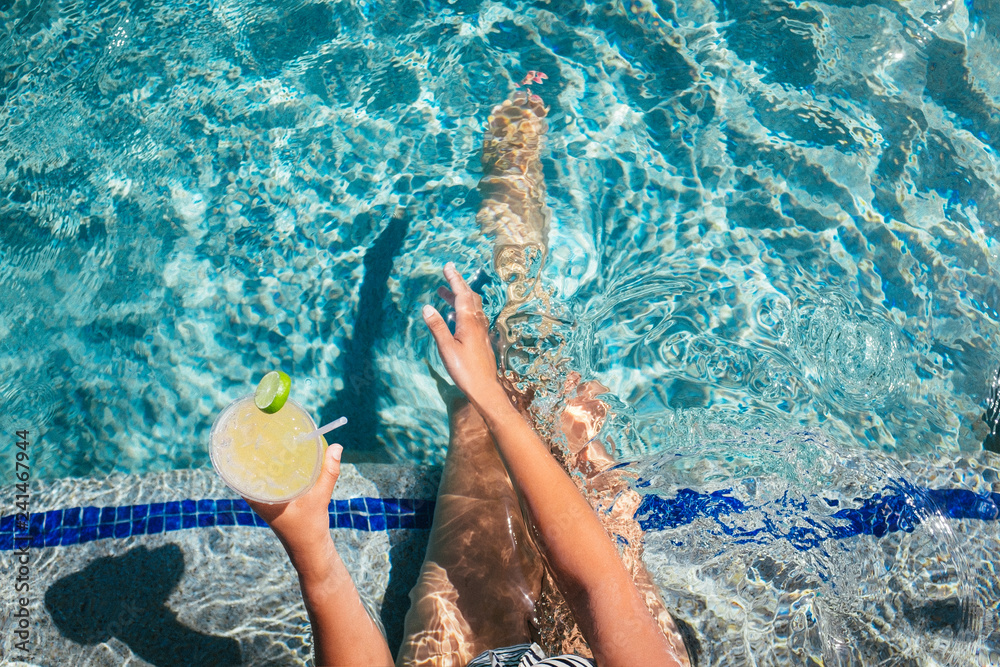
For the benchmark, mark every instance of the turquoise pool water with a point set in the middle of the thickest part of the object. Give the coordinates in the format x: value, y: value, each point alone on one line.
x: 763, y: 213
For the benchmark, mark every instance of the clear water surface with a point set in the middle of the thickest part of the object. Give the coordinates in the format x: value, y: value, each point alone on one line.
x: 761, y: 212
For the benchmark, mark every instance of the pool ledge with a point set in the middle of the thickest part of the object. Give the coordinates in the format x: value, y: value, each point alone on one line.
x: 110, y: 558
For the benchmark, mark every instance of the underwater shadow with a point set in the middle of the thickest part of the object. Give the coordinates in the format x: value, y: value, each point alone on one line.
x: 359, y: 396
x: 124, y: 596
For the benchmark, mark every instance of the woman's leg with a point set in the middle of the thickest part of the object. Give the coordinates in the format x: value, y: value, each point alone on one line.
x: 585, y: 562
x: 481, y: 575
x: 514, y: 215
x: 581, y: 421
x: 512, y: 212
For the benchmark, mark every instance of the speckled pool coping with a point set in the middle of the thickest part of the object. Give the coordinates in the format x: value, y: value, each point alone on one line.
x: 231, y: 596
x: 232, y: 592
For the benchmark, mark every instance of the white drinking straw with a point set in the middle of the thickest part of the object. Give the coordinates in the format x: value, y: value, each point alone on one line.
x: 336, y: 423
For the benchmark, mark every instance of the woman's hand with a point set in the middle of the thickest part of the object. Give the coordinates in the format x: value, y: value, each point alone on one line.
x: 467, y: 355
x: 303, y: 525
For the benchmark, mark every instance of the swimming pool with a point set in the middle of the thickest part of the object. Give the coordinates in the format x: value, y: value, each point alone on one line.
x: 773, y: 239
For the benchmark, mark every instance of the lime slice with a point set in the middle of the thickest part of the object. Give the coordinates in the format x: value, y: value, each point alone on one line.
x: 272, y: 391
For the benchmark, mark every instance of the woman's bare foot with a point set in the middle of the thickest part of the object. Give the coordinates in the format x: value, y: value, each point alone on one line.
x: 513, y: 186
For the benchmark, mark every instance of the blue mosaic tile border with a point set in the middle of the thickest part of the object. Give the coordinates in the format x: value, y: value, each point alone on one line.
x: 900, y: 508
x: 77, y: 525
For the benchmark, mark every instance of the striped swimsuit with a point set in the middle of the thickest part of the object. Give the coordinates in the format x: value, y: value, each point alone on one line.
x: 526, y: 655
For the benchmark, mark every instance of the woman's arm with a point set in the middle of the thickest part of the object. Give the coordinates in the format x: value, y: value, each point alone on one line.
x: 608, y: 607
x: 344, y: 635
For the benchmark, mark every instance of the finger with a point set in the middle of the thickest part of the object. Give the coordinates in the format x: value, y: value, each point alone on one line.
x: 331, y: 470
x: 447, y: 295
x: 468, y: 304
x: 457, y: 282
x: 439, y: 329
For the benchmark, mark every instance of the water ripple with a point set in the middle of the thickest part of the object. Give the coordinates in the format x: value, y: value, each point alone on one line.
x: 856, y: 358
x: 716, y: 171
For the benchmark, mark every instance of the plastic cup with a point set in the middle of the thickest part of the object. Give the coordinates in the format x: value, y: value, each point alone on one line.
x: 263, y: 456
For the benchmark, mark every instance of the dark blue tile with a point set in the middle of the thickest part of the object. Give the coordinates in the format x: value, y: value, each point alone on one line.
x: 157, y: 509
x: 241, y: 505
x: 172, y: 522
x: 6, y: 541
x: 36, y: 524
x: 333, y: 520
x: 374, y: 505
x: 360, y: 521
x: 172, y: 507
x: 22, y: 523
x: 53, y: 519
x: 407, y: 521
x: 140, y: 511
x: 392, y: 521
x: 344, y: 521
x: 123, y: 514
x: 244, y: 519
x: 258, y: 520
x: 224, y: 505
x: 37, y: 541
x: 91, y: 516
x: 70, y: 536
x: 88, y: 534
x: 406, y: 505
x: 71, y: 517
x: 206, y: 506
x: 423, y: 521
x: 154, y: 525
x: 376, y: 522
x: 139, y: 526
x: 342, y: 506
x: 419, y: 504
x: 7, y: 524
x: 52, y: 539
x: 225, y: 519
x: 123, y: 529
x: 189, y: 507
x: 391, y: 505
x: 357, y: 504
x: 204, y: 520
x: 189, y: 520
x: 107, y: 515
x: 105, y: 530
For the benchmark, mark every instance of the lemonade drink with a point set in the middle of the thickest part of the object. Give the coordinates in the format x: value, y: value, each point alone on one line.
x: 260, y: 455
